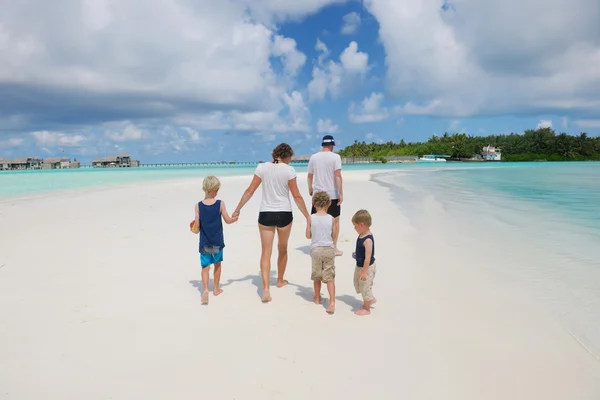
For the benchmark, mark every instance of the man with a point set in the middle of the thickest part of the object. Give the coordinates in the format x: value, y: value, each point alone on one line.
x: 325, y: 170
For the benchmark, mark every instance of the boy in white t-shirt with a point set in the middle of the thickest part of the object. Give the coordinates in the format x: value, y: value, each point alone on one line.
x: 322, y: 252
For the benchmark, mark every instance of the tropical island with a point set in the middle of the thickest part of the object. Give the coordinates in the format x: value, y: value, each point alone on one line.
x: 533, y: 145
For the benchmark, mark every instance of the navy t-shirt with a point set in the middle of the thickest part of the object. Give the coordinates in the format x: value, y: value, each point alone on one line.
x: 360, y: 251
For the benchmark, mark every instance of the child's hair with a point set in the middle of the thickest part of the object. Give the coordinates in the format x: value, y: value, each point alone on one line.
x: 362, y: 216
x: 281, y: 152
x: 211, y: 184
x: 321, y: 200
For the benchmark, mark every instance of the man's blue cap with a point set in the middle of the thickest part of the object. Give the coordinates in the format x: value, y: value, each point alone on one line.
x: 328, y: 140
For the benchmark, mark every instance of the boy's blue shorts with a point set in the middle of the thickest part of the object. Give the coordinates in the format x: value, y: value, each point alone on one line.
x: 207, y: 259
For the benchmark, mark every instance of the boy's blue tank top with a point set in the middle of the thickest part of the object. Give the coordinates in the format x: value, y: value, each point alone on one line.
x: 360, y: 251
x: 211, y: 228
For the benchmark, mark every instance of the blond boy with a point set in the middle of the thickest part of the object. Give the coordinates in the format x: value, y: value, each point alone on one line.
x: 322, y: 249
x: 208, y: 224
x: 365, y: 270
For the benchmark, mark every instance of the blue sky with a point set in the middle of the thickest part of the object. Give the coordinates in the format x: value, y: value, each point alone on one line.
x: 183, y: 80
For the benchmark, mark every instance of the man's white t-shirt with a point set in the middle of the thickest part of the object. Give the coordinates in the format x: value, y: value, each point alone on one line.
x: 321, y: 230
x: 275, y: 189
x: 323, y: 166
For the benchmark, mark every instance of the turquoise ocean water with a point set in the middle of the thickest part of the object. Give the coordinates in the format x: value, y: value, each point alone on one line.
x: 533, y: 225
x: 32, y: 182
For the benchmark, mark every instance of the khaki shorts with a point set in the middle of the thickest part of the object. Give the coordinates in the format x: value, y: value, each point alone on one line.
x: 365, y: 288
x: 323, y: 264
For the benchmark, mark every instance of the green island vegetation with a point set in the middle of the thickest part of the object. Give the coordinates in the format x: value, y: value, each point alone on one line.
x: 532, y: 145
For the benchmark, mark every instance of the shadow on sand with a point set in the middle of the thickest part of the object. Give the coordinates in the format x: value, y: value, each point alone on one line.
x: 352, y: 301
x: 256, y: 280
x: 304, y: 292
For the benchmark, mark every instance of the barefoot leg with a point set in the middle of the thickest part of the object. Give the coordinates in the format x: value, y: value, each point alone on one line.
x: 317, y: 296
x: 365, y: 310
x: 331, y: 290
x: 283, y: 235
x: 217, y: 279
x: 205, y: 277
x: 216, y: 289
x: 266, y: 297
x: 267, y: 235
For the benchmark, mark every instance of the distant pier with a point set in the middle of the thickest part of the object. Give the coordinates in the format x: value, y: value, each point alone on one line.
x: 205, y: 164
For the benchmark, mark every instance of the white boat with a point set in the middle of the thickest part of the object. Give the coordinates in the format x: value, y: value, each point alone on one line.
x: 432, y: 158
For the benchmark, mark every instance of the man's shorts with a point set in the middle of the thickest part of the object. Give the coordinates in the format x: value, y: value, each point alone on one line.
x: 334, y: 209
x: 323, y: 264
x: 206, y: 260
x: 365, y: 288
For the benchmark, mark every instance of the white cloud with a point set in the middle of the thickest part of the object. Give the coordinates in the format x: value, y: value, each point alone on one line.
x: 453, y: 125
x: 194, y: 135
x: 106, y: 65
x: 323, y: 51
x: 292, y: 116
x: 351, y: 22
x: 49, y: 139
x: 124, y: 131
x: 565, y: 122
x: 588, y: 123
x: 326, y: 126
x: 491, y: 57
x: 337, y: 78
x: 369, y: 110
x: 545, y: 123
x: 292, y: 59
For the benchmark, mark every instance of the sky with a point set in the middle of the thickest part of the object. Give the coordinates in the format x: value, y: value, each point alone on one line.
x: 228, y: 80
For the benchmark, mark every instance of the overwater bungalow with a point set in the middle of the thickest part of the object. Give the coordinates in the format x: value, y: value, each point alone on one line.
x: 5, y: 164
x: 300, y: 159
x: 56, y: 163
x: 26, y: 163
x: 121, y: 161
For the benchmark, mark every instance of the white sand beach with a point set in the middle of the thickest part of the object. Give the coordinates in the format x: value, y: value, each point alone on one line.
x: 99, y: 299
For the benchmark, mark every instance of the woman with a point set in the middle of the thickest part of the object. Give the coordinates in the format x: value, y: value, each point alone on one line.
x: 275, y: 214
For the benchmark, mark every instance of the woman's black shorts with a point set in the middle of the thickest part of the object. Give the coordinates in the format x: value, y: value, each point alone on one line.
x: 279, y: 219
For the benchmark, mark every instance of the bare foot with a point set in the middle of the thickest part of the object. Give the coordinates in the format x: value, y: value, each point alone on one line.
x: 266, y: 297
x: 338, y: 252
x: 362, y: 312
x: 217, y: 291
x: 282, y: 283
x: 331, y: 308
x: 205, y: 297
x: 373, y: 301
x: 317, y: 299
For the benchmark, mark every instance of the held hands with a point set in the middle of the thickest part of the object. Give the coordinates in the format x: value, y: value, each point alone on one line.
x: 340, y: 199
x: 236, y: 214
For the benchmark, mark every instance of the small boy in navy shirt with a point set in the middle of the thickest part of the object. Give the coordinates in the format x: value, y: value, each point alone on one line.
x: 365, y: 270
x: 208, y: 223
